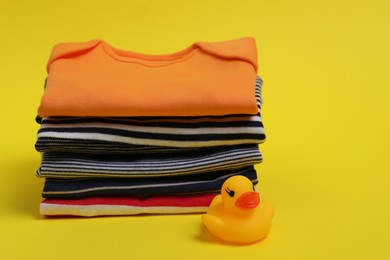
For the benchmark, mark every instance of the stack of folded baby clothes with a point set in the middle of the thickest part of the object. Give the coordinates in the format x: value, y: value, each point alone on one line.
x: 125, y: 133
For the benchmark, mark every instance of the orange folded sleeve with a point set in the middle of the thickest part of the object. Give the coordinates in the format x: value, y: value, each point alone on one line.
x: 96, y: 79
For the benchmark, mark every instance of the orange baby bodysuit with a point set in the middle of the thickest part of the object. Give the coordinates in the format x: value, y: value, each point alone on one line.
x: 96, y: 79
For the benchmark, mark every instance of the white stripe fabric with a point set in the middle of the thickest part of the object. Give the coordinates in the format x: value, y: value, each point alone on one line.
x: 113, y: 210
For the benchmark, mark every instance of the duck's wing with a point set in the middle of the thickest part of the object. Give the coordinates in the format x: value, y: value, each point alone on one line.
x: 213, y: 223
x: 217, y: 200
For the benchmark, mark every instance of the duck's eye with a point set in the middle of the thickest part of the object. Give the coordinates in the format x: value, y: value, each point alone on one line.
x: 230, y: 192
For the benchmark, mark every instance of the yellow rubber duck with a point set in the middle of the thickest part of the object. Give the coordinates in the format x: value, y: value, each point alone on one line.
x: 236, y: 215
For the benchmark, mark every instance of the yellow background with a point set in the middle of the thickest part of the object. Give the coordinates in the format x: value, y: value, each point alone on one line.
x: 325, y: 66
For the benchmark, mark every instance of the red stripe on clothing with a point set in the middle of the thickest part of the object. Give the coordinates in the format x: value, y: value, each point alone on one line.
x: 176, y: 201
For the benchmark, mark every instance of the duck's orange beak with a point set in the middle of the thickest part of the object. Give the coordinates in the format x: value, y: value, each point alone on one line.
x: 248, y: 200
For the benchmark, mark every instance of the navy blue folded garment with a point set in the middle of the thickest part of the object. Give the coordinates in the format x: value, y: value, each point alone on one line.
x: 142, y: 187
x: 149, y: 134
x: 70, y: 165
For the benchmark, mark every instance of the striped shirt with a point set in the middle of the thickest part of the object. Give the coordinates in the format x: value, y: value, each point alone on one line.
x: 67, y: 165
x: 142, y: 187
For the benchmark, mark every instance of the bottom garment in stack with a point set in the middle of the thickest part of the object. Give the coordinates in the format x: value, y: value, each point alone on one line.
x: 131, y: 196
x: 105, y: 206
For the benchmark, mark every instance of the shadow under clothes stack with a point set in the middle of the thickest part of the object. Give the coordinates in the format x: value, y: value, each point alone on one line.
x: 124, y: 133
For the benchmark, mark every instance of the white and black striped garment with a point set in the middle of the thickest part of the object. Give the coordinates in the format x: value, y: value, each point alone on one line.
x: 206, y: 183
x: 149, y: 134
x: 69, y: 165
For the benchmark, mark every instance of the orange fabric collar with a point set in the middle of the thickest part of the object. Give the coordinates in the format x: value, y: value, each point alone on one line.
x: 243, y: 48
